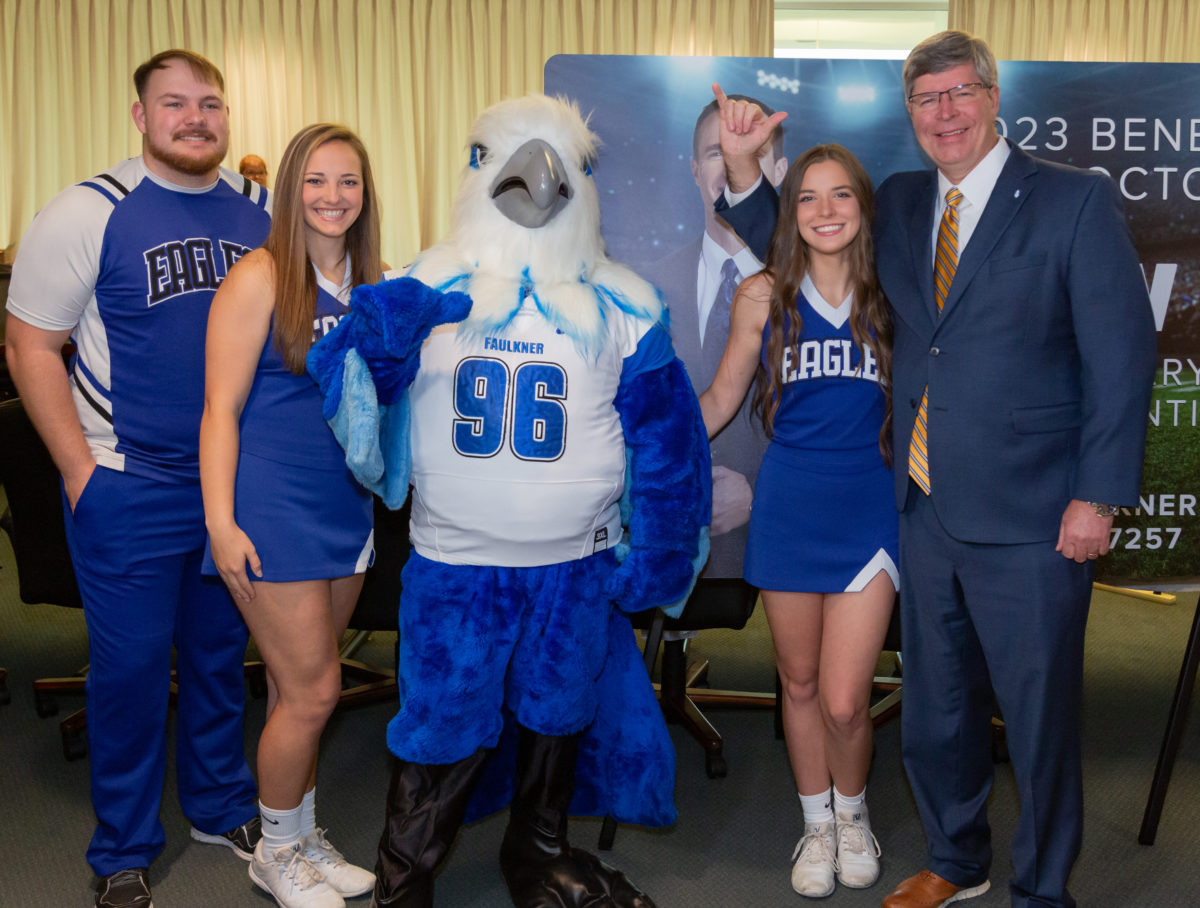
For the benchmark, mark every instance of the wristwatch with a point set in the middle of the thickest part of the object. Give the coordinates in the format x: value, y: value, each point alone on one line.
x: 1104, y: 510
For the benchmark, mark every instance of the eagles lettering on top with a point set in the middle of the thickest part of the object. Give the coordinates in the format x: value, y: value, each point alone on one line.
x: 830, y: 357
x: 189, y: 265
x: 323, y: 324
x: 194, y: 264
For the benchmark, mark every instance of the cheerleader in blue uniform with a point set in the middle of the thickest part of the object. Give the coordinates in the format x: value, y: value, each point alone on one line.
x: 289, y: 528
x: 813, y: 332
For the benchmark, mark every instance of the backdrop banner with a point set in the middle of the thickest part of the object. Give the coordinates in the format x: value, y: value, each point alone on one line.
x: 1137, y: 122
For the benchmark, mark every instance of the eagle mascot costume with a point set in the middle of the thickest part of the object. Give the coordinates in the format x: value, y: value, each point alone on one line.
x: 525, y: 386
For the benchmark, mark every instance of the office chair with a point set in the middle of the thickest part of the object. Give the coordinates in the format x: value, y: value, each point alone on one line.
x: 7, y: 391
x: 44, y: 572
x: 889, y: 705
x: 714, y: 603
x: 377, y: 609
x: 725, y: 602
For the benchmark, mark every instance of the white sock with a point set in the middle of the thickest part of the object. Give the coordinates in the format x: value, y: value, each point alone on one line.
x: 817, y: 808
x: 280, y: 828
x: 852, y: 804
x: 308, y: 813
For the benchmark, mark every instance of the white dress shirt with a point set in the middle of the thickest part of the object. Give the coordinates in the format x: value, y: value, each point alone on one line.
x: 976, y: 188
x: 708, y: 274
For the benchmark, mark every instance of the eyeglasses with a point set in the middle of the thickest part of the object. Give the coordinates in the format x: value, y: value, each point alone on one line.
x: 959, y: 94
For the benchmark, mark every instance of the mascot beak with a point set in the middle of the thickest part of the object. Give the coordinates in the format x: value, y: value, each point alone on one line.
x: 532, y: 186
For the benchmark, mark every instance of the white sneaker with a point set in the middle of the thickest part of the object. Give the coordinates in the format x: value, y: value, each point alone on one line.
x: 813, y: 862
x: 339, y: 873
x: 292, y: 879
x: 857, y: 849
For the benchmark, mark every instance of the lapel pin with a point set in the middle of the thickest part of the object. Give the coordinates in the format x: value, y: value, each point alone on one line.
x: 1017, y: 194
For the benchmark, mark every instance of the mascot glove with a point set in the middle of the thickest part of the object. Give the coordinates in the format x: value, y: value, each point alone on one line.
x: 325, y: 363
x: 389, y: 322
x: 650, y: 578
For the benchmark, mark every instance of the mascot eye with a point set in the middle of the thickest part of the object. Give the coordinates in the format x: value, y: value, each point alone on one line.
x: 587, y: 167
x: 479, y: 154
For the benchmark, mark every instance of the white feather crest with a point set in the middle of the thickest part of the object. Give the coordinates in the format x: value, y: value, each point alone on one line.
x: 565, y: 247
x: 562, y: 264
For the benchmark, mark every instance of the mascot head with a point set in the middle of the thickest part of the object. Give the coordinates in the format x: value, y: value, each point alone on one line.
x: 526, y: 226
x: 527, y: 203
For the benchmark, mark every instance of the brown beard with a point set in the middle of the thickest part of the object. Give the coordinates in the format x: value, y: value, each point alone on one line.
x: 184, y: 163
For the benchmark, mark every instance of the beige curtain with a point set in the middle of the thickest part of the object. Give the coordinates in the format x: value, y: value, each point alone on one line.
x: 1151, y: 31
x: 408, y: 75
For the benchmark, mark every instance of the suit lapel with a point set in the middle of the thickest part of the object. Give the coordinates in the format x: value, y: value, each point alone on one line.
x: 1009, y: 194
x: 920, y: 237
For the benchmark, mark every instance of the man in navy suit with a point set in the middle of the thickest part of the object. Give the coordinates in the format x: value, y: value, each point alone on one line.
x: 698, y: 281
x: 1036, y: 373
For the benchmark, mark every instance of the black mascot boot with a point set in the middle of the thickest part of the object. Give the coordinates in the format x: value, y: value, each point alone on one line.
x: 540, y: 866
x: 425, y: 807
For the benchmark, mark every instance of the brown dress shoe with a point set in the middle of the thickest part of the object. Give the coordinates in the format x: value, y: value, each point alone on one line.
x: 928, y: 890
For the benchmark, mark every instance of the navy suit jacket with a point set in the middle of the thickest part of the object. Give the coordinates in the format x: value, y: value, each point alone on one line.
x: 1041, y: 364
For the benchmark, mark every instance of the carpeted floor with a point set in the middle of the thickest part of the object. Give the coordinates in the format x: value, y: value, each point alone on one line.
x: 734, y: 836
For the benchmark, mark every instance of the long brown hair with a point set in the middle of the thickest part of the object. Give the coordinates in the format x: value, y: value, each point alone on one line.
x: 787, y: 262
x: 295, y: 282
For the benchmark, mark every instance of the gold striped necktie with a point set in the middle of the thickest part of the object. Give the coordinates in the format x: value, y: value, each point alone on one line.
x: 945, y: 263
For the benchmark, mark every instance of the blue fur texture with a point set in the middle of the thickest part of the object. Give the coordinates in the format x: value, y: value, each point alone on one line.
x: 374, y: 436
x: 666, y: 447
x: 539, y: 646
x: 476, y: 637
x: 387, y: 324
x: 626, y: 757
x: 364, y: 367
x: 626, y: 766
x: 391, y: 320
x: 356, y: 421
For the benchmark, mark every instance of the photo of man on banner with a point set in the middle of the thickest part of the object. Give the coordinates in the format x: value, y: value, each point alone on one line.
x: 698, y: 282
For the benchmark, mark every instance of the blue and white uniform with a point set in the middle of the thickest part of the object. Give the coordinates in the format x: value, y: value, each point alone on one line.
x: 294, y: 496
x: 129, y: 263
x: 823, y: 518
